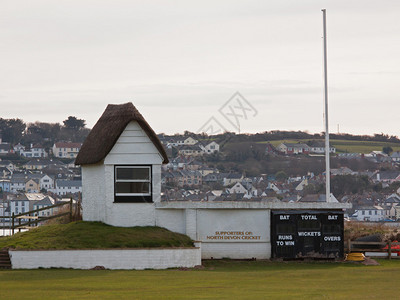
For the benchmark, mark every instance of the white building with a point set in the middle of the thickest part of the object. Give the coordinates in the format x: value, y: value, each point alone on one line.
x: 237, y: 188
x: 46, y: 182
x: 188, y: 141
x: 18, y: 148
x: 66, y: 187
x: 292, y: 148
x: 18, y: 206
x: 369, y: 213
x: 121, y: 169
x: 318, y: 147
x: 210, y: 148
x: 121, y: 177
x: 17, y: 184
x: 45, y: 202
x: 36, y: 151
x: 66, y: 149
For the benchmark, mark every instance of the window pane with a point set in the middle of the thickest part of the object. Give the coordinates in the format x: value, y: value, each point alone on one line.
x: 132, y: 187
x: 136, y: 173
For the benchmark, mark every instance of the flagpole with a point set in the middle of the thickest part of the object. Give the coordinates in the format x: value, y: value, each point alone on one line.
x: 327, y: 163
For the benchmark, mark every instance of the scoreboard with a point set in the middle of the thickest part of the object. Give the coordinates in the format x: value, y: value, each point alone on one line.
x: 298, y: 234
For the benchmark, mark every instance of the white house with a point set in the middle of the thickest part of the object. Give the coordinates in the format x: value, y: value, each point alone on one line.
x: 46, y: 182
x: 232, y: 178
x: 18, y: 148
x: 370, y: 213
x: 181, y: 141
x: 189, y: 141
x: 18, y: 205
x: 66, y: 149
x: 186, y: 141
x: 319, y: 147
x: 45, y: 202
x: 395, y: 156
x: 121, y: 169
x: 291, y: 148
x: 66, y: 187
x: 17, y: 184
x: 237, y: 188
x: 210, y: 148
x: 35, y: 151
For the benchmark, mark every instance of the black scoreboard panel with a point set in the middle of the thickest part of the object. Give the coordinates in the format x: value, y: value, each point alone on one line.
x: 296, y: 234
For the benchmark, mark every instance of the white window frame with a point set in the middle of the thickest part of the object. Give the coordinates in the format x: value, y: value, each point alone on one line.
x: 134, y: 180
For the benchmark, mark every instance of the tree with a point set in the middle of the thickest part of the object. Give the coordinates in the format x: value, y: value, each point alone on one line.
x: 387, y: 150
x: 311, y: 189
x: 43, y: 133
x: 281, y: 175
x: 349, y: 184
x: 11, y: 130
x: 74, y: 124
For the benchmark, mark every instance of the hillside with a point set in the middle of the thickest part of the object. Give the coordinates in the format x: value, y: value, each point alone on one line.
x: 343, y: 146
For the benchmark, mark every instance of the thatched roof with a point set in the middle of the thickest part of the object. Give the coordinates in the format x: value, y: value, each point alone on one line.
x: 107, y: 130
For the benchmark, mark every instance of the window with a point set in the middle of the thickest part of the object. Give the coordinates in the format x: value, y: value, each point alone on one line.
x: 133, y: 184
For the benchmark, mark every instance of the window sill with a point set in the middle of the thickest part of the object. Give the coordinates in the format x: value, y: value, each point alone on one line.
x: 133, y: 199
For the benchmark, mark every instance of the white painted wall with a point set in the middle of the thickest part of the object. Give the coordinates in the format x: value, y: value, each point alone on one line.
x: 128, y: 259
x: 191, y: 223
x: 250, y: 227
x: 132, y: 148
x: 254, y: 223
x: 173, y: 219
x: 93, y: 192
x: 236, y: 250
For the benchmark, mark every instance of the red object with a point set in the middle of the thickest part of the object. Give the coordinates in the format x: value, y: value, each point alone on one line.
x: 395, y: 248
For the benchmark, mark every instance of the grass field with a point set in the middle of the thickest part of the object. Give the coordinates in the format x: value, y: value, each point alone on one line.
x: 348, y: 146
x: 218, y: 280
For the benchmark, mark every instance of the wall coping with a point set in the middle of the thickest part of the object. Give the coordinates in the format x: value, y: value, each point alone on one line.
x: 250, y: 205
x: 109, y: 249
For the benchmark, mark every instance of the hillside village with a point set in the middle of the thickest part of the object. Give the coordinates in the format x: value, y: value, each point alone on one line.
x: 201, y: 168
x: 188, y: 178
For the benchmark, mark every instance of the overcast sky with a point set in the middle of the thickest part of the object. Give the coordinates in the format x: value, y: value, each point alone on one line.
x: 179, y: 62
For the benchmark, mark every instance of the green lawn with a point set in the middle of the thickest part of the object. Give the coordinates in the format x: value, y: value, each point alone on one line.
x: 346, y: 145
x: 218, y: 280
x: 94, y: 235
